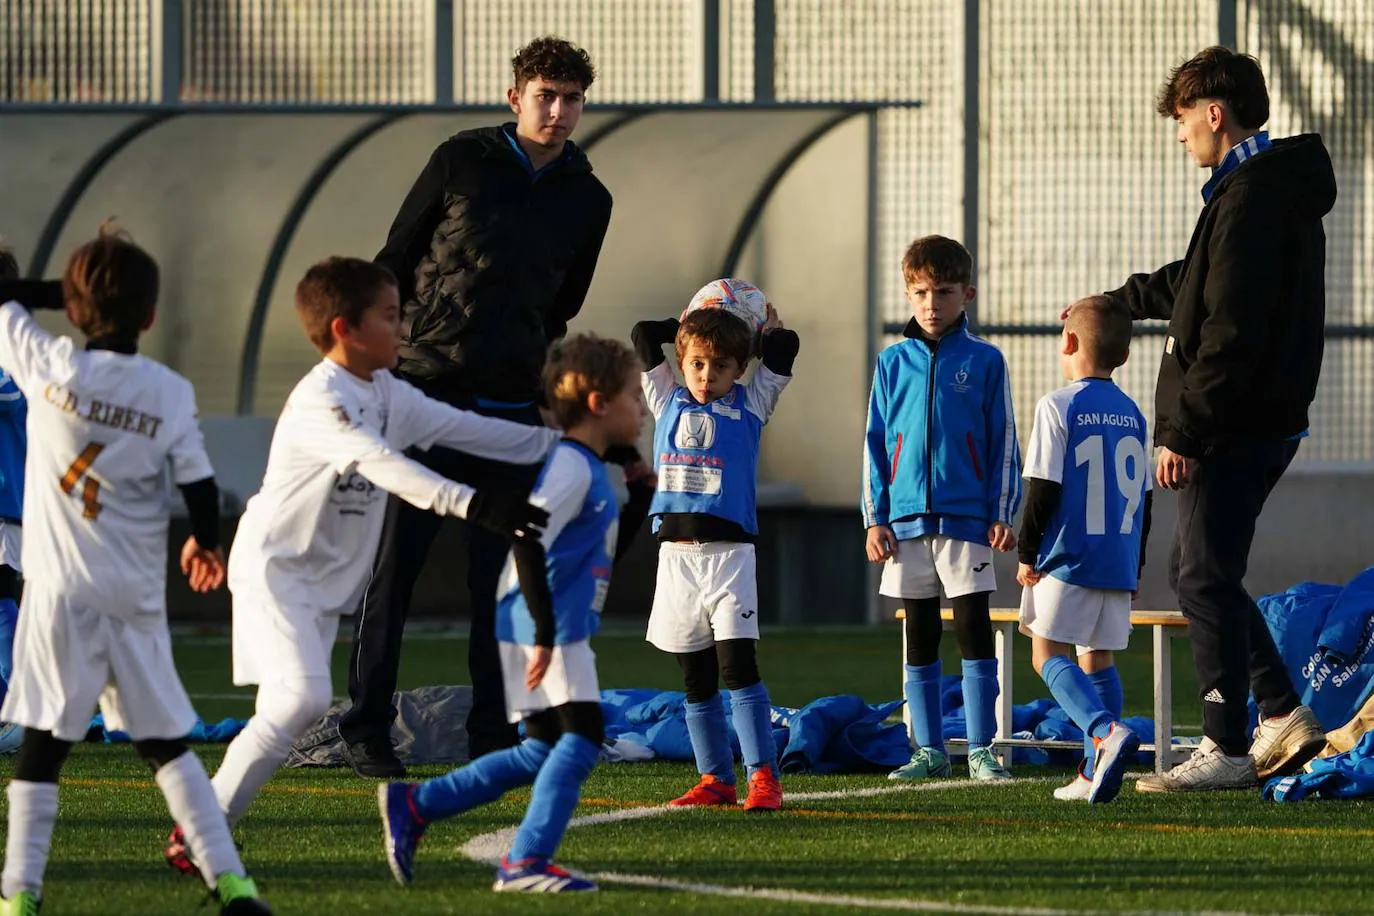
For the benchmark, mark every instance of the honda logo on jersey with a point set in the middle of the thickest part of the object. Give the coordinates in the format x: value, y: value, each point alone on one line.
x: 695, y: 430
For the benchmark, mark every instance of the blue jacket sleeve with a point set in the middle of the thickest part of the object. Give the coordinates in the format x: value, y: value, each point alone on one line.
x: 1003, y: 460
x: 875, y: 482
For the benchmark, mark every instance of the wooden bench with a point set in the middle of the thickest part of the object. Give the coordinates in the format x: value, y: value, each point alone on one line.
x: 1163, y: 625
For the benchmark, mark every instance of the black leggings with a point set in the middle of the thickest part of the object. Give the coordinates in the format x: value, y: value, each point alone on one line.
x: 584, y: 719
x: 733, y: 659
x: 972, y: 628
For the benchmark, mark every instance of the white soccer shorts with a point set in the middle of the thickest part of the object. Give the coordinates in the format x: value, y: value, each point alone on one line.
x: 571, y: 678
x: 704, y: 594
x: 921, y: 565
x: 69, y: 658
x: 272, y: 643
x: 1091, y: 619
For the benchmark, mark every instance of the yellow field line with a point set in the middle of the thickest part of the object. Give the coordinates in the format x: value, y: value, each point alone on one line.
x: 1080, y: 824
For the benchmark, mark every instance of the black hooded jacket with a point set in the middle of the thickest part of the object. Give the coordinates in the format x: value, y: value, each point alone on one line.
x: 1246, y: 306
x: 492, y: 262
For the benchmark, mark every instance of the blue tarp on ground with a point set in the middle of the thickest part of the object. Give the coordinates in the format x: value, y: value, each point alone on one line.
x: 838, y: 734
x: 1325, y: 633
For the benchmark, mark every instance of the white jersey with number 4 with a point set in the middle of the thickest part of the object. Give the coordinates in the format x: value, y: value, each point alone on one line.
x: 307, y: 540
x: 108, y: 433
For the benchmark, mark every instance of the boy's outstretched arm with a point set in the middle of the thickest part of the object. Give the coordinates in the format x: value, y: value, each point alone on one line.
x: 424, y: 422
x: 778, y: 348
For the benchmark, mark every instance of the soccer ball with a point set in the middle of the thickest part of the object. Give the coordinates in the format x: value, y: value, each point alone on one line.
x: 743, y: 300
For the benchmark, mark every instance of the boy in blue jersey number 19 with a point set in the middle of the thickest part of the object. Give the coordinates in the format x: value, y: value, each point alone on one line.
x: 1083, y: 538
x: 549, y: 607
x: 705, y: 611
x: 941, y: 483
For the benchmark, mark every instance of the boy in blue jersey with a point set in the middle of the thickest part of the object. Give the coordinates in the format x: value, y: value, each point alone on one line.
x: 1083, y: 537
x: 549, y: 607
x: 941, y: 484
x: 13, y: 414
x: 705, y: 611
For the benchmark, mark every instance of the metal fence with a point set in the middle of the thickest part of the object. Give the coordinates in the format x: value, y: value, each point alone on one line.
x: 1036, y: 143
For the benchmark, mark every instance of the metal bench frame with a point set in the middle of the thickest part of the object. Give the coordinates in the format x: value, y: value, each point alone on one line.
x: 1164, y: 626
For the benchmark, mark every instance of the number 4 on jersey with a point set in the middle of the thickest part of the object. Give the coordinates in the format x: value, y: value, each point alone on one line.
x: 90, y: 491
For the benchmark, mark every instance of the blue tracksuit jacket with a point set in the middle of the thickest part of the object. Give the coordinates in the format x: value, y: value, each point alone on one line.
x: 940, y: 454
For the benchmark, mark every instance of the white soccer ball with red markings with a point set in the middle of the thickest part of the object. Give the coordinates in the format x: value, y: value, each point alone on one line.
x: 743, y: 300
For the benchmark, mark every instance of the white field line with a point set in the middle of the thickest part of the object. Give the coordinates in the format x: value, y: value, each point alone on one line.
x: 489, y: 847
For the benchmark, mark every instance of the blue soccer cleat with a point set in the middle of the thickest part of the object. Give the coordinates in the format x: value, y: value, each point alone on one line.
x: 538, y: 876
x: 402, y: 827
x: 1114, y: 752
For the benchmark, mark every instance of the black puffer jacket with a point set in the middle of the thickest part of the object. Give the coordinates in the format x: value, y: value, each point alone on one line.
x: 1246, y: 306
x: 493, y: 263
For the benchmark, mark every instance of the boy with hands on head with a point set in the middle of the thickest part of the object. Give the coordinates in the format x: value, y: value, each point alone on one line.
x: 705, y: 611
x: 941, y: 485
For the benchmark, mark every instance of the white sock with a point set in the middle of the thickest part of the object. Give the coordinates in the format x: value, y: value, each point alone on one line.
x: 191, y: 799
x: 285, y: 710
x: 33, y: 812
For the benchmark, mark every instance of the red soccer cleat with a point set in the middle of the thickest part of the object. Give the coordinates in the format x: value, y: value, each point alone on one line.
x: 765, y: 791
x: 709, y: 792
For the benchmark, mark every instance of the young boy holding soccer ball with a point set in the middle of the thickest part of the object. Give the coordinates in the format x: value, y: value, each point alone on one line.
x: 706, y: 447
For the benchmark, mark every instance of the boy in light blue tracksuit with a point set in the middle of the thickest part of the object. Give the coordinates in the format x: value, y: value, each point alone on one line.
x: 13, y: 446
x: 941, y: 484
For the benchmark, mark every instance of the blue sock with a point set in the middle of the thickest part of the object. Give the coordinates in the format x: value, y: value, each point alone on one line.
x: 484, y: 780
x: 1107, y: 683
x: 9, y: 622
x: 923, y: 703
x: 1071, y: 687
x: 753, y: 723
x: 980, y: 700
x: 710, y: 740
x: 556, y: 791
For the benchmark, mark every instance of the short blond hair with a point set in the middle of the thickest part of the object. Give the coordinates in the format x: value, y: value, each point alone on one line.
x: 581, y: 366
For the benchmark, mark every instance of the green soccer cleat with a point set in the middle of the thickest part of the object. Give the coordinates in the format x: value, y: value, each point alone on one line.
x: 238, y: 896
x: 24, y: 903
x: 982, y: 765
x: 924, y: 764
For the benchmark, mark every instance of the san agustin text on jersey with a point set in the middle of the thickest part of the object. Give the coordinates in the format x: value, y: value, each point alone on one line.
x: 1091, y: 418
x: 103, y: 412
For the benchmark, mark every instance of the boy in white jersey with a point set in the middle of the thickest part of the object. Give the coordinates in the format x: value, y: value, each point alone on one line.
x: 705, y: 612
x: 107, y: 428
x: 549, y: 607
x: 1082, y: 542
x: 303, y: 550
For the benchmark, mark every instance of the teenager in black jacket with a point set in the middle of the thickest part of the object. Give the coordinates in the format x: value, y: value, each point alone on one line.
x: 1246, y: 309
x: 494, y: 248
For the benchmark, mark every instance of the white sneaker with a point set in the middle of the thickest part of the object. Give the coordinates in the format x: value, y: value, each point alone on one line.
x: 1078, y: 790
x: 1114, y: 753
x: 11, y: 736
x: 1284, y: 743
x: 1208, y: 770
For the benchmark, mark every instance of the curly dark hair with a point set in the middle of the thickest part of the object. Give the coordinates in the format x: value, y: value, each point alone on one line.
x: 1218, y: 73
x: 554, y: 59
